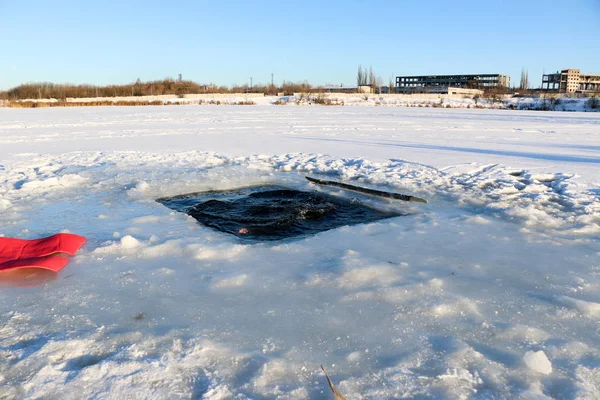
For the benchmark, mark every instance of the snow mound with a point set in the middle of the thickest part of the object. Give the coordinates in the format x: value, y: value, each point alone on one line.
x: 233, y: 282
x: 4, y: 204
x: 538, y: 361
x: 588, y: 308
x: 62, y: 182
x: 126, y: 245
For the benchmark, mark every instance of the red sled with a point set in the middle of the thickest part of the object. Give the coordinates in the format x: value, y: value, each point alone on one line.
x: 47, y: 253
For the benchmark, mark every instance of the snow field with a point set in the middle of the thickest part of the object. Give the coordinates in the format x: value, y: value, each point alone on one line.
x: 488, y: 291
x: 360, y: 100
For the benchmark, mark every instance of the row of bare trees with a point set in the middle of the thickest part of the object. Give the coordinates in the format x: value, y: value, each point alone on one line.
x: 287, y: 88
x: 48, y: 90
x: 366, y: 77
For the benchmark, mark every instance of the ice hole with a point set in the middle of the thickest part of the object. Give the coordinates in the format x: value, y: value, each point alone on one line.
x: 264, y: 213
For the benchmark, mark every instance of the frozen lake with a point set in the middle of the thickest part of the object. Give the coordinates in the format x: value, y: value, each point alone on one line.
x: 453, y: 300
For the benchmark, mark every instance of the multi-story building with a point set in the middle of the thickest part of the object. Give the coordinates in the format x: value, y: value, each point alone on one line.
x: 441, y: 83
x: 571, y: 81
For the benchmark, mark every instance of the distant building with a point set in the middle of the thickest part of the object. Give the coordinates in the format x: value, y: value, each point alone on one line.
x: 441, y: 83
x: 345, y: 89
x: 338, y: 89
x: 571, y: 81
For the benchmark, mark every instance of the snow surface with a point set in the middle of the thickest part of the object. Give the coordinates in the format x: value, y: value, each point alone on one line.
x: 458, y: 299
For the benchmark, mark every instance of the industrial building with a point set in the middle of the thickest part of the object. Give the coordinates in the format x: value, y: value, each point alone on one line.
x: 571, y: 81
x: 344, y: 89
x: 441, y: 83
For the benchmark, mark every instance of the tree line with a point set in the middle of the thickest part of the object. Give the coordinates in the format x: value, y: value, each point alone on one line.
x: 49, y: 90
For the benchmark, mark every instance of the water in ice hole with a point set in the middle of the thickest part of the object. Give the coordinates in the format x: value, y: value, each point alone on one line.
x: 266, y: 213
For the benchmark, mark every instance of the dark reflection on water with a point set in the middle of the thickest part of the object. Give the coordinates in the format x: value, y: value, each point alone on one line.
x: 273, y: 213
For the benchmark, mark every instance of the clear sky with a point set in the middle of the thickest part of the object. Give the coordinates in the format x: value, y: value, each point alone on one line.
x: 227, y: 42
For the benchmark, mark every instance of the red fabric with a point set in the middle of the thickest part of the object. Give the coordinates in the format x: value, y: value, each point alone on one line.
x: 38, y: 253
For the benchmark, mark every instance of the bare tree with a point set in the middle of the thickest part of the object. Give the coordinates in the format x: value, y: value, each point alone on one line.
x: 372, y: 78
x: 379, y: 83
x: 362, y: 77
x: 359, y: 76
x: 524, y: 85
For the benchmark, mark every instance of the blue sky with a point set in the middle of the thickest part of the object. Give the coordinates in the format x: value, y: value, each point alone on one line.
x: 227, y: 42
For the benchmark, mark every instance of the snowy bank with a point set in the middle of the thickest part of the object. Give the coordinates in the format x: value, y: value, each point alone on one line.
x: 549, y: 103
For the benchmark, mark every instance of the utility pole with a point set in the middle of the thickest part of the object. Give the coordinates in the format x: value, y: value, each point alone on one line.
x: 251, y: 84
x: 271, y: 79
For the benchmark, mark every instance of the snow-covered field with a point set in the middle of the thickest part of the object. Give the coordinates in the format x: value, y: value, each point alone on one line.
x: 490, y: 291
x: 362, y: 100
